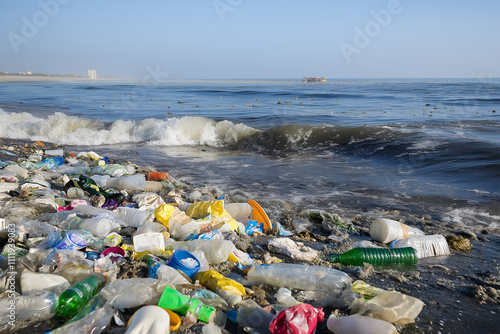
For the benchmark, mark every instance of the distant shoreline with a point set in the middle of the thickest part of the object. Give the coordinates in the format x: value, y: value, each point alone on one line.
x: 57, y: 78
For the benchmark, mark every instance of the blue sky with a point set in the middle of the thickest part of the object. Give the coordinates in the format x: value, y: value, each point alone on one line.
x: 252, y: 39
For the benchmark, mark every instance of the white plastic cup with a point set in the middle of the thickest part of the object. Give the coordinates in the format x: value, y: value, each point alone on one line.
x: 424, y: 245
x: 71, y: 241
x: 385, y: 230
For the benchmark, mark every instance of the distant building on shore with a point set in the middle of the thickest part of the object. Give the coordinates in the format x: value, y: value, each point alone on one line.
x: 92, y: 74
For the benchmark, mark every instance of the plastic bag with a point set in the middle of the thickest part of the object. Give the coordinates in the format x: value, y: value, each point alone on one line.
x: 204, y: 208
x: 298, y: 319
x: 393, y: 307
x: 165, y: 212
x: 290, y: 248
x: 213, y: 280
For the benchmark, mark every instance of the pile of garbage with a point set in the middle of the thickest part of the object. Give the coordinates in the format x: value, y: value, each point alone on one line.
x: 92, y: 246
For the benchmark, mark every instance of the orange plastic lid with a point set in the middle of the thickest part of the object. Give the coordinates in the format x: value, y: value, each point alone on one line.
x: 259, y: 215
x: 175, y: 320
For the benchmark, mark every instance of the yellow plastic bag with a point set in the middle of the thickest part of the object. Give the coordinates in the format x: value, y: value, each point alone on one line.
x: 201, y: 209
x: 216, y: 208
x: 163, y: 213
x: 213, y: 280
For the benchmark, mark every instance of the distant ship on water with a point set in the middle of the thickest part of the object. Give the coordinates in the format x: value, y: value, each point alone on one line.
x: 308, y: 80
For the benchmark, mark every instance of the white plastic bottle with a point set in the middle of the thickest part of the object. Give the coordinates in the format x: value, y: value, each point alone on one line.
x: 134, y: 217
x: 298, y: 276
x: 425, y: 245
x: 357, y: 324
x: 130, y: 182
x: 385, y: 230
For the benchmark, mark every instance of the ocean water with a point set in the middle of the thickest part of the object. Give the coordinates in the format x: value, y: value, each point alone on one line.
x: 422, y: 147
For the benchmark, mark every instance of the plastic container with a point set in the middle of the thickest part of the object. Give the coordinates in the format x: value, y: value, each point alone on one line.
x: 241, y: 212
x: 72, y: 241
x: 116, y: 251
x: 424, y: 245
x: 356, y: 324
x: 184, y: 261
x: 173, y: 300
x: 130, y: 182
x: 297, y: 276
x: 377, y: 256
x: 134, y: 217
x: 148, y: 241
x: 76, y: 296
x: 385, y: 230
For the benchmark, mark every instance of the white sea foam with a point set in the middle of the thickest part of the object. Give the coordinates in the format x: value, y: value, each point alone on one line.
x: 72, y: 130
x: 473, y: 218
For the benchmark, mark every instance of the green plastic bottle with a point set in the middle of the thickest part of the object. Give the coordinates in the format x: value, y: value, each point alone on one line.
x: 377, y: 256
x: 88, y: 184
x: 76, y: 296
x: 173, y: 300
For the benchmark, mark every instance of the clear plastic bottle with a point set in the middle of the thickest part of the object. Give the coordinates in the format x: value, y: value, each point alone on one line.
x: 130, y: 182
x: 424, y: 245
x: 298, y: 276
x: 100, y: 225
x: 216, y: 250
x: 76, y: 296
x: 29, y: 308
x: 377, y: 256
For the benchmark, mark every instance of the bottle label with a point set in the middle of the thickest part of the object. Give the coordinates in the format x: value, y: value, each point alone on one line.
x: 78, y: 291
x: 86, y: 286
